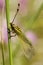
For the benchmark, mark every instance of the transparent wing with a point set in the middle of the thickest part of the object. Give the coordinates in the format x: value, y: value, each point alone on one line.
x: 27, y: 46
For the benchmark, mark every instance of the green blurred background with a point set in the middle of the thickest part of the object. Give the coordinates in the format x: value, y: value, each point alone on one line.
x: 29, y: 18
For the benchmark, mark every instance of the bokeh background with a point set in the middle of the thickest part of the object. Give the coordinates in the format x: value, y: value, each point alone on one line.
x: 30, y: 20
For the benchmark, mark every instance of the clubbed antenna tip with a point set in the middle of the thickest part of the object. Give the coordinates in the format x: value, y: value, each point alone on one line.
x: 18, y: 7
x: 18, y: 4
x: 16, y: 12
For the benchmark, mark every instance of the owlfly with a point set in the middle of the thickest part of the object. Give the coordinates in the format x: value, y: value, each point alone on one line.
x: 28, y: 48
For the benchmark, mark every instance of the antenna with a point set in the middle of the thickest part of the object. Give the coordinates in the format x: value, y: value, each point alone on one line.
x: 16, y: 13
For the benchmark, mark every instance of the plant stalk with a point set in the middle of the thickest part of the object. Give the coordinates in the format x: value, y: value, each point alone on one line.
x: 8, y: 26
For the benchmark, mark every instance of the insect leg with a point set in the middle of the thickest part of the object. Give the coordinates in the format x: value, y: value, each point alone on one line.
x: 11, y: 32
x: 8, y: 33
x: 13, y: 35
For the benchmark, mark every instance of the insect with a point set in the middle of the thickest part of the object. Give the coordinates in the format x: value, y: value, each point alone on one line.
x: 15, y: 29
